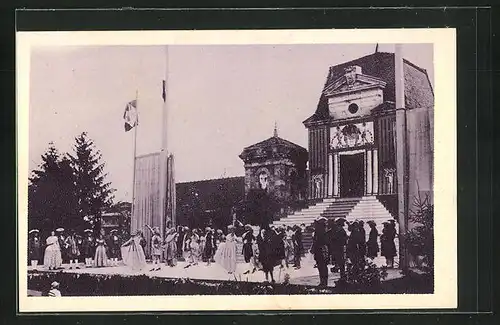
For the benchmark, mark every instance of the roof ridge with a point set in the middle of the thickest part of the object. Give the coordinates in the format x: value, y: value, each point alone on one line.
x: 210, y: 179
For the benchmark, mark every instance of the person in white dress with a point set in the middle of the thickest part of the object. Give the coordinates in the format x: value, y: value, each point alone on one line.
x: 226, y: 252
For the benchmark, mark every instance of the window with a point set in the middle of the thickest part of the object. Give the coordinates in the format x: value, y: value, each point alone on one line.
x: 353, y: 108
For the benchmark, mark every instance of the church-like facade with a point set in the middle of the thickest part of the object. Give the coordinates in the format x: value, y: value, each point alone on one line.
x: 352, y: 143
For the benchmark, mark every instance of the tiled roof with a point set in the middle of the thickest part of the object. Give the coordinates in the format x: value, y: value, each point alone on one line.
x: 418, y: 90
x: 273, y: 147
x: 274, y: 141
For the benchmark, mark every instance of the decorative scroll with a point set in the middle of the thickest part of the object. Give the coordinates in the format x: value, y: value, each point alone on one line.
x: 352, y: 135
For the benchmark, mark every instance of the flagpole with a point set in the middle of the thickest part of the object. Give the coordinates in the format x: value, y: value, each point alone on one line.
x: 135, y: 151
x: 164, y: 171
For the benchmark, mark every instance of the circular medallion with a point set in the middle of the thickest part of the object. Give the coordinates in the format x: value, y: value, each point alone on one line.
x: 353, y: 108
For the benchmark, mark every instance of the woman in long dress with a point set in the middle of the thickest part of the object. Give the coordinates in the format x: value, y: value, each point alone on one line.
x: 387, y: 246
x: 170, y: 246
x: 133, y: 254
x: 372, y: 244
x: 226, y: 253
x: 101, y: 258
x: 267, y: 256
x: 52, y: 258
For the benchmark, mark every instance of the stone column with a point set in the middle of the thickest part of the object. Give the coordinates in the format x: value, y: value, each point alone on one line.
x: 375, y: 171
x: 336, y: 164
x: 369, y: 172
x: 330, y: 175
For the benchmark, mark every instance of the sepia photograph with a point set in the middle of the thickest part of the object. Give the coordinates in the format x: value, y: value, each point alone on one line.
x: 190, y: 170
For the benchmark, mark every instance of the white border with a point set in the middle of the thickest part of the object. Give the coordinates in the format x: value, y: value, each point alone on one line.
x: 445, y: 295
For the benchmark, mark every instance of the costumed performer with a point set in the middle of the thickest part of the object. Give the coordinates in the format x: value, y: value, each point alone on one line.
x: 100, y: 258
x: 226, y: 253
x: 133, y: 254
x: 52, y: 258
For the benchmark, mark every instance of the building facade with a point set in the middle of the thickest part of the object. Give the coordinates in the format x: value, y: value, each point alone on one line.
x: 352, y: 141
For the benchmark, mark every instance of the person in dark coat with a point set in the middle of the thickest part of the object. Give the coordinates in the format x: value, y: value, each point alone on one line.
x: 355, y: 244
x: 34, y: 248
x: 248, y: 239
x: 88, y: 247
x: 267, y: 256
x: 337, y: 247
x: 387, y: 246
x: 209, y: 248
x: 298, y: 246
x: 279, y: 246
x: 320, y: 250
x: 362, y: 238
x: 72, y: 249
x: 372, y: 244
x: 180, y: 238
x: 114, y: 247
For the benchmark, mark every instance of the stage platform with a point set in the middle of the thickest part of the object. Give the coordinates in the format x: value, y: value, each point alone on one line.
x: 307, y: 275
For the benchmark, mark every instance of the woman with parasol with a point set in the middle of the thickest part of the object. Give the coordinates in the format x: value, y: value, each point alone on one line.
x: 52, y: 258
x: 133, y: 254
x: 34, y: 247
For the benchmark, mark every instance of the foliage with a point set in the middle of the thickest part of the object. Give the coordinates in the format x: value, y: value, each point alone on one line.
x: 364, y: 276
x: 75, y: 284
x: 124, y: 209
x: 92, y: 191
x: 420, y: 238
x: 51, y: 193
x: 66, y: 189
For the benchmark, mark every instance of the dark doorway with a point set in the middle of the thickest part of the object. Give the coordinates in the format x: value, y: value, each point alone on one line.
x: 352, y: 172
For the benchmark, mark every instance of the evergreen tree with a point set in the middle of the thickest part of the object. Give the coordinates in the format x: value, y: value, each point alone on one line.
x: 93, y: 192
x: 51, y: 199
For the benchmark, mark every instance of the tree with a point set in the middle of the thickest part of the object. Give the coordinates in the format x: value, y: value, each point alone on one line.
x: 420, y: 239
x: 93, y: 192
x: 51, y: 193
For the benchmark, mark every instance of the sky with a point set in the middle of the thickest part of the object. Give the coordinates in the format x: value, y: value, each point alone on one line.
x: 221, y: 98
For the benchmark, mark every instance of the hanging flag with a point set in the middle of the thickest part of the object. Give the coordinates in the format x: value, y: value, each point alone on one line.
x: 130, y: 115
x: 164, y: 91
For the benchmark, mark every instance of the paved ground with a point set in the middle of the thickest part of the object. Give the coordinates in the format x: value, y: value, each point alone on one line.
x: 307, y: 275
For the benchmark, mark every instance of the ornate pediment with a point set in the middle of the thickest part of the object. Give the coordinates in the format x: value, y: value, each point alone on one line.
x: 353, y: 80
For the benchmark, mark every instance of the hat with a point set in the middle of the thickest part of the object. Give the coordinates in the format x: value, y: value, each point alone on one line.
x: 87, y: 230
x: 207, y: 229
x: 33, y: 230
x: 54, y: 284
x: 60, y: 229
x: 321, y: 219
x: 112, y: 231
x: 371, y: 222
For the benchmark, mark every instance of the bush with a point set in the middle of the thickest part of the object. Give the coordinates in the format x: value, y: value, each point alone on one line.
x: 420, y: 239
x: 364, y: 276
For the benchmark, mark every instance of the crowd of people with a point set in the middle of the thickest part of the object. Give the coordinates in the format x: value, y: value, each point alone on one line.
x: 74, y: 249
x: 263, y: 248
x: 332, y: 245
